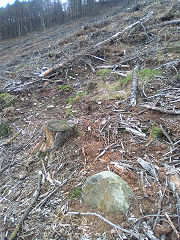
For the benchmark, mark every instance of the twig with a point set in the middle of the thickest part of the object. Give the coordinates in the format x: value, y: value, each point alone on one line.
x: 148, y: 232
x: 150, y: 216
x: 110, y: 223
x: 98, y: 58
x: 106, y: 149
x: 177, y: 142
x: 24, y: 216
x: 159, y: 206
x: 167, y: 136
x: 172, y: 225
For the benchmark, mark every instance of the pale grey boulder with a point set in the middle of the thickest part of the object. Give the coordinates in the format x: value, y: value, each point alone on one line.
x: 107, y: 191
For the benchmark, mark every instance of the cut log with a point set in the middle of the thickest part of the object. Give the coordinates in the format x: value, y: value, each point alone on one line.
x: 57, y: 133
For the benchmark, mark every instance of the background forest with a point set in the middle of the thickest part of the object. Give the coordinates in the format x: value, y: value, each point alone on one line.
x: 24, y: 17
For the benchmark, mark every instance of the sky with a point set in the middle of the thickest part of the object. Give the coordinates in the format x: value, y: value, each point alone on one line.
x: 3, y: 3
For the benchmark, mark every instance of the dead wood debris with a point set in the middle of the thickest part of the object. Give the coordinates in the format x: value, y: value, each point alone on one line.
x: 33, y: 201
x: 151, y: 166
x: 137, y: 236
x: 127, y: 29
x: 162, y: 110
x: 134, y: 88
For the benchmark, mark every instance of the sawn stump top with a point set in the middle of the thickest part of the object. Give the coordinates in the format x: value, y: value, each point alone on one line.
x: 59, y: 126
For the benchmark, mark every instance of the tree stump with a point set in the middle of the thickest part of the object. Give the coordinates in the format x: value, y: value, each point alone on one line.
x: 57, y: 132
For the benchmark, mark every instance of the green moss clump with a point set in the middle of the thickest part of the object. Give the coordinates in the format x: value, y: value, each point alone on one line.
x: 76, y: 193
x: 66, y: 88
x: 75, y: 98
x: 6, y: 100
x: 70, y: 100
x: 5, y: 130
x: 41, y: 154
x: 157, y: 133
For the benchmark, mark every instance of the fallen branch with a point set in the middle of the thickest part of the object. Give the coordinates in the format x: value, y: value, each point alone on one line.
x: 136, y: 132
x: 169, y: 64
x: 119, y: 73
x: 134, y: 88
x: 174, y: 22
x: 112, y: 66
x: 34, y: 199
x: 110, y: 223
x: 162, y: 110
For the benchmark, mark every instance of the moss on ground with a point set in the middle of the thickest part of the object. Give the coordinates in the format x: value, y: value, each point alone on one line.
x: 5, y: 129
x: 6, y: 100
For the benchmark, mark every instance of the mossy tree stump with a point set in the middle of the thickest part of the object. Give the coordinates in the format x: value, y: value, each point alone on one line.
x: 57, y: 133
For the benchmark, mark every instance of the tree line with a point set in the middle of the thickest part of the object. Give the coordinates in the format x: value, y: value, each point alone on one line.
x: 24, y: 17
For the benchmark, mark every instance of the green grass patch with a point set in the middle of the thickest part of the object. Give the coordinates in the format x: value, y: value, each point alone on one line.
x: 124, y: 82
x: 149, y: 73
x: 69, y: 110
x: 104, y: 72
x: 76, y: 193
